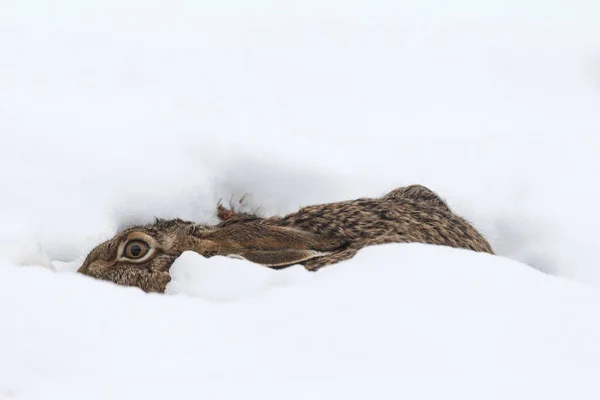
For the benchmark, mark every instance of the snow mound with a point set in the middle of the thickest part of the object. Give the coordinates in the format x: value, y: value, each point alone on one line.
x: 222, y: 278
x: 396, y: 321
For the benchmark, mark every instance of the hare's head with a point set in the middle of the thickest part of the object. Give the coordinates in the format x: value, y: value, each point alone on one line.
x: 141, y: 256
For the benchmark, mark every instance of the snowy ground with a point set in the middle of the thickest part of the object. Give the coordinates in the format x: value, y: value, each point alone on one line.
x: 113, y: 113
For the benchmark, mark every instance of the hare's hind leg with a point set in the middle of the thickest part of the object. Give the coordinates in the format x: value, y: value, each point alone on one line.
x: 418, y: 193
x: 350, y: 251
x: 329, y: 259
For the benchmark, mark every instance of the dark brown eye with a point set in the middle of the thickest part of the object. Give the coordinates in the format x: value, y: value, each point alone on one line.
x: 136, y: 249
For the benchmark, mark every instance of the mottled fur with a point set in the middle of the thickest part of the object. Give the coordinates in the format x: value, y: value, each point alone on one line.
x: 315, y: 236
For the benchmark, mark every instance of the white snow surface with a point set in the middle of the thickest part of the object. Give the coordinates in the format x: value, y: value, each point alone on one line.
x: 113, y: 113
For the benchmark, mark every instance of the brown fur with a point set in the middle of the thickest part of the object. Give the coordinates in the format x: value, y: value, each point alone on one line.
x: 315, y: 236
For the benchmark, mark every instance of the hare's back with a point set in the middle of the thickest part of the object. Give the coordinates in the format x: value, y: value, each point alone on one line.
x: 364, y: 218
x: 387, y: 220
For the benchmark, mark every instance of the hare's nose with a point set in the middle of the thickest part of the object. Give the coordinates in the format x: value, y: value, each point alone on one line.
x: 82, y: 269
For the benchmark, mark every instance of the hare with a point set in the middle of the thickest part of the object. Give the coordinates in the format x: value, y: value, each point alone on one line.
x: 315, y: 236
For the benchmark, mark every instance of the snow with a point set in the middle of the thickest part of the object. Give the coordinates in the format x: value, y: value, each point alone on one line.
x: 111, y: 114
x: 222, y: 278
x: 434, y: 320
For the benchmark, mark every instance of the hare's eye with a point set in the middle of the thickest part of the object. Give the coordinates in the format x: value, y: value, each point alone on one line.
x: 136, y: 249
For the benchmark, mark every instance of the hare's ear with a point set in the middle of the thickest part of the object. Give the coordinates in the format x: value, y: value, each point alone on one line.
x: 272, y: 246
x: 255, y: 235
x: 280, y: 258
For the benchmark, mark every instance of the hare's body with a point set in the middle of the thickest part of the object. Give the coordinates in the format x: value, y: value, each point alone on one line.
x: 315, y: 236
x: 405, y: 215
